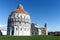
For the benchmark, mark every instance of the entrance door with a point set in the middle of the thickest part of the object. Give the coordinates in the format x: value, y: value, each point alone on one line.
x: 12, y: 30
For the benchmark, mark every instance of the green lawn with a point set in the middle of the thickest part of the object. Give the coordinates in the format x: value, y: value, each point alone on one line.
x: 30, y: 37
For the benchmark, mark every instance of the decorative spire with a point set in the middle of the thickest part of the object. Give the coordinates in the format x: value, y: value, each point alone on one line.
x: 20, y: 6
x: 20, y: 9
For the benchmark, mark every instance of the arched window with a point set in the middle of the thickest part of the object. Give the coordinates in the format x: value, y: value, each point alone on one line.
x: 16, y: 29
x: 21, y: 29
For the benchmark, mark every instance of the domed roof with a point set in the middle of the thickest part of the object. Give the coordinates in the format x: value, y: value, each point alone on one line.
x: 20, y: 10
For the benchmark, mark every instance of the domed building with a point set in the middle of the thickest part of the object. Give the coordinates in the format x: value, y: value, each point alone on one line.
x: 19, y: 24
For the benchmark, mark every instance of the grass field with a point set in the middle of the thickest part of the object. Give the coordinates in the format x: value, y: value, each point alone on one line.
x: 30, y: 37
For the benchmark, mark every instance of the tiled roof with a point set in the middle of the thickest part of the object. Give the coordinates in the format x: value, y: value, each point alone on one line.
x: 20, y: 10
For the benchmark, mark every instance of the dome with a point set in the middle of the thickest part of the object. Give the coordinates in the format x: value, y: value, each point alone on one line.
x: 20, y: 9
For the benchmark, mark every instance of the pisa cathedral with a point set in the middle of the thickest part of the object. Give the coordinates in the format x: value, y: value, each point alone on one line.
x: 19, y: 24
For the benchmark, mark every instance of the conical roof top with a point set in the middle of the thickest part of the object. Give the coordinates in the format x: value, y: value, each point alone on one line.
x: 20, y: 9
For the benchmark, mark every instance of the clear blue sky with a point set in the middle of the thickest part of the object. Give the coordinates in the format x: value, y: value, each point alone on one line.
x: 41, y: 11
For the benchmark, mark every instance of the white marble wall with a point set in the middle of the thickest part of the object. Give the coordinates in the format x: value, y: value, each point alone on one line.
x: 39, y: 32
x: 21, y: 23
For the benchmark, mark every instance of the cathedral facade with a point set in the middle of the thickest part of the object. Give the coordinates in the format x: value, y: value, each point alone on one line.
x: 19, y: 24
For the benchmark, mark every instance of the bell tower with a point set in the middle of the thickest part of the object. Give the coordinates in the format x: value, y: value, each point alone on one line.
x: 46, y: 28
